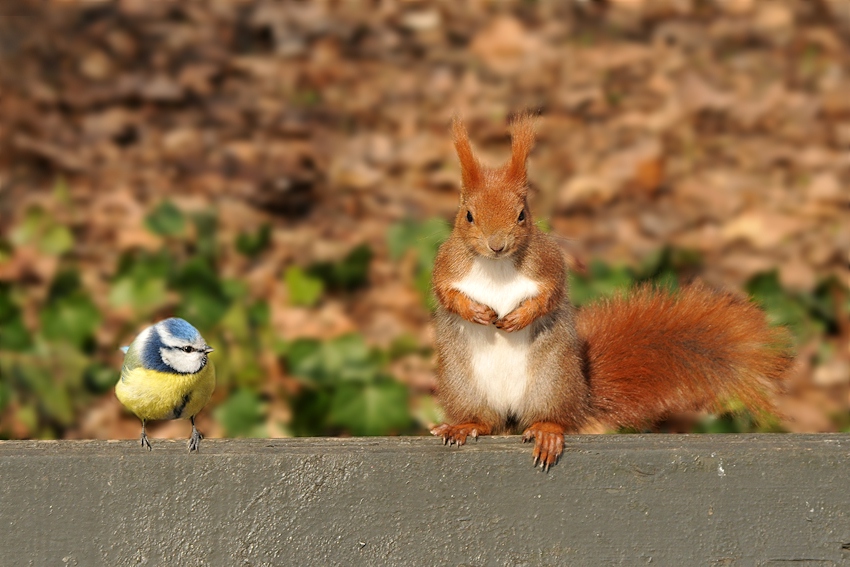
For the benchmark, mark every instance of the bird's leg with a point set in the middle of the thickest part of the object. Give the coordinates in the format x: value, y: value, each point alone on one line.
x: 145, y: 442
x: 195, y: 439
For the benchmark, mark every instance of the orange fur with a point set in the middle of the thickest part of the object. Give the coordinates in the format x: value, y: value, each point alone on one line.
x: 522, y: 140
x: 470, y: 169
x: 456, y: 302
x: 653, y: 353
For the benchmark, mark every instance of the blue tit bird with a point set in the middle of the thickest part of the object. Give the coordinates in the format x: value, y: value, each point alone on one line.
x: 166, y: 375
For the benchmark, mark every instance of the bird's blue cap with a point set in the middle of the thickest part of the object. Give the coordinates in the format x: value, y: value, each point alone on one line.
x: 180, y: 328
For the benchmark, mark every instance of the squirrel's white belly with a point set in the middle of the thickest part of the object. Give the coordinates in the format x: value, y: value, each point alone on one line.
x: 499, y: 360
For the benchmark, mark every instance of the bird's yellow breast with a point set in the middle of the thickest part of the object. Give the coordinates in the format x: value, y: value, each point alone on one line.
x: 151, y: 394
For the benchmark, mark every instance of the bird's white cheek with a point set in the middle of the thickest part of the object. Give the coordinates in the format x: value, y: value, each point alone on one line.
x: 188, y: 363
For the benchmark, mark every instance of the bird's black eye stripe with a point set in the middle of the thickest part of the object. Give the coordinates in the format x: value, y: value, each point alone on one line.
x: 187, y: 349
x: 469, y: 216
x: 521, y: 216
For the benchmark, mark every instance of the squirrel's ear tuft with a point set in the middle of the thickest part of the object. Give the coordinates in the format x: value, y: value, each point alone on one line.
x: 469, y: 166
x: 522, y: 140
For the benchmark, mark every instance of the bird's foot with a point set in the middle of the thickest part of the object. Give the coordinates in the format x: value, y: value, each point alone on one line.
x: 145, y: 442
x: 195, y: 439
x: 548, y: 442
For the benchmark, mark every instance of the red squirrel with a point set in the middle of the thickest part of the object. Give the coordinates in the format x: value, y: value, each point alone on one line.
x: 512, y: 349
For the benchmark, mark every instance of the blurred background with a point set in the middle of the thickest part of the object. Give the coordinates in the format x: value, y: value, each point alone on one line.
x: 280, y: 174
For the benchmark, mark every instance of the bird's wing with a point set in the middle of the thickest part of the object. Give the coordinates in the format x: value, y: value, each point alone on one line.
x: 132, y: 359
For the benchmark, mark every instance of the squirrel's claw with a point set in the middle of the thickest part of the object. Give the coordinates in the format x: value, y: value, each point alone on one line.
x: 548, y: 443
x: 457, y: 434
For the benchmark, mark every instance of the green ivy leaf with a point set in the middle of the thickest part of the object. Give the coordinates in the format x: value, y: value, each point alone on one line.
x: 310, y: 410
x: 166, y: 220
x: 783, y: 308
x: 346, y: 358
x: 144, y: 295
x: 14, y: 335
x: 5, y: 395
x: 304, y: 290
x: 252, y: 244
x: 41, y: 229
x: 142, y: 264
x: 29, y: 228
x: 304, y: 359
x: 56, y: 240
x: 204, y: 300
x: 377, y: 408
x: 69, y: 314
x: 100, y: 378
x: 601, y: 281
x: 242, y: 414
x: 206, y: 225
x: 348, y: 274
x: 74, y: 319
x: 423, y: 239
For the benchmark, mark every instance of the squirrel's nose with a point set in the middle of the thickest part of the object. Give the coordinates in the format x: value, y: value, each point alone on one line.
x: 496, y: 244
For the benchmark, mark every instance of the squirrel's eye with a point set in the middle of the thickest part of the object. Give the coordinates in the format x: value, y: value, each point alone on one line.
x: 469, y: 216
x: 521, y: 216
x: 187, y: 349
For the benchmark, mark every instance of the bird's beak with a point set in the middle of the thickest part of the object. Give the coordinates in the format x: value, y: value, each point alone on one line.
x: 208, y: 350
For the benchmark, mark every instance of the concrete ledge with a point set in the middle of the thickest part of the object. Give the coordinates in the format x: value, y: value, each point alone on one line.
x: 613, y: 500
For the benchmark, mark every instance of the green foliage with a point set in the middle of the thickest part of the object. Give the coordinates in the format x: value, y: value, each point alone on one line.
x: 346, y: 358
x: 806, y: 313
x: 13, y: 333
x: 242, y: 414
x: 739, y: 421
x: 166, y: 220
x: 345, y: 389
x: 206, y: 228
x: 204, y: 300
x: 421, y: 240
x: 600, y: 280
x: 48, y: 384
x: 70, y: 314
x: 141, y: 282
x: 379, y: 407
x: 304, y: 289
x: 253, y: 244
x: 350, y: 273
x: 42, y: 230
x: 663, y: 268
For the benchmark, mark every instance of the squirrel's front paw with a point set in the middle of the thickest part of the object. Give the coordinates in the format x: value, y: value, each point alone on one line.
x: 457, y: 434
x: 481, y: 314
x: 548, y: 442
x: 516, y: 320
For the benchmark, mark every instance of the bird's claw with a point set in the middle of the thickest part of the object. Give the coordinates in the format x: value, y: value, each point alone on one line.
x: 195, y: 440
x: 145, y: 442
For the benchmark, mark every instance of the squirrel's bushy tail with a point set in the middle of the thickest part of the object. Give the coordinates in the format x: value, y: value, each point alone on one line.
x: 656, y: 352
